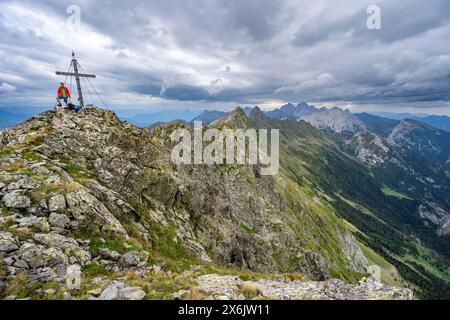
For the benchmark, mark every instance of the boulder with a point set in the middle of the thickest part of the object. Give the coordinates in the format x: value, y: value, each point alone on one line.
x: 24, y: 183
x: 119, y: 291
x: 66, y: 245
x: 108, y: 254
x: 58, y: 220
x: 82, y: 205
x: 32, y: 255
x: 21, y: 264
x: 133, y: 258
x: 110, y: 293
x: 57, y: 203
x: 132, y: 293
x: 8, y: 243
x: 95, y: 292
x: 16, y: 200
x: 36, y: 223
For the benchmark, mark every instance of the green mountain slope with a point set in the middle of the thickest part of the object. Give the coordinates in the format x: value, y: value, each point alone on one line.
x: 388, y: 224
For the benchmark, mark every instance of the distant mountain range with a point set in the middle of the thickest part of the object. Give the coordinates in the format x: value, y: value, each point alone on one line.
x: 439, y: 122
x: 322, y: 117
x: 146, y: 119
x: 290, y: 111
x: 10, y: 116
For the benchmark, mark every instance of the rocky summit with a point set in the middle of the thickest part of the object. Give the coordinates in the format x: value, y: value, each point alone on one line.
x: 89, y: 190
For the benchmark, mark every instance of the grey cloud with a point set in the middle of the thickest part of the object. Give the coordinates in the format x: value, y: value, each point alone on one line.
x: 233, y: 52
x: 186, y: 93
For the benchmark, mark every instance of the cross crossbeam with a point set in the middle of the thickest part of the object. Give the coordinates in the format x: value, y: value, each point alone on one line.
x: 72, y: 74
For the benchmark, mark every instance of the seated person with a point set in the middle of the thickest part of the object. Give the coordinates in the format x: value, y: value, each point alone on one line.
x: 63, y: 93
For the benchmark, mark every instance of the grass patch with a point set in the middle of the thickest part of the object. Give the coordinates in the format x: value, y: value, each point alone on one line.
x: 47, y: 129
x: 45, y: 190
x: 23, y: 233
x: 246, y: 229
x: 392, y: 193
x: 98, y: 242
x: 162, y: 287
x: 95, y: 269
x: 2, y: 270
x: 249, y: 291
x: 14, y: 166
x: 74, y: 170
x: 33, y: 140
x: 6, y: 151
x: 21, y: 287
x: 30, y: 155
x: 164, y: 241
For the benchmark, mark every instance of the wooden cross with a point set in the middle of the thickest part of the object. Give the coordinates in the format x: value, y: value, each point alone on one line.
x: 77, y: 76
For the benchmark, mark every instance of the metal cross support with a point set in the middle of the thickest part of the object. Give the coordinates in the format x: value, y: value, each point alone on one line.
x: 77, y: 76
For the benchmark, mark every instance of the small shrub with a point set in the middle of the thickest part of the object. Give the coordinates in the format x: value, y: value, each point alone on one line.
x: 249, y: 290
x: 21, y: 287
x: 294, y: 276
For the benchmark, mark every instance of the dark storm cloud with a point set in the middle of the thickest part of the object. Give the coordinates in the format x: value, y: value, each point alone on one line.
x: 235, y: 52
x: 185, y: 93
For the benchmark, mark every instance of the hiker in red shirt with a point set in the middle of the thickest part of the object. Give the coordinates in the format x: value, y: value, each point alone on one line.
x: 63, y: 93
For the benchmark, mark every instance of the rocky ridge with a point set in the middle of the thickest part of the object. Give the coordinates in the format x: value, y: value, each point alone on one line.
x: 232, y: 288
x: 90, y: 190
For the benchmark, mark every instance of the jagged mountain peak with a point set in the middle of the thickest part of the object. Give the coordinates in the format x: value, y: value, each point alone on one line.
x: 208, y: 116
x: 335, y: 120
x: 236, y: 118
x: 422, y: 138
x: 257, y: 113
x: 291, y: 111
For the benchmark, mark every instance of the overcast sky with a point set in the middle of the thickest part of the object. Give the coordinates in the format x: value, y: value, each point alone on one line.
x: 222, y: 53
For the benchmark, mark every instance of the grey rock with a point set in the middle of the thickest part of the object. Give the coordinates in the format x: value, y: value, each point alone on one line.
x: 227, y: 287
x: 16, y: 200
x: 32, y: 255
x: 21, y: 264
x: 37, y: 210
x: 36, y: 223
x: 132, y: 293
x: 108, y: 254
x: 24, y: 183
x: 50, y: 291
x: 8, y: 243
x: 67, y: 296
x: 133, y: 258
x: 81, y: 203
x: 118, y: 284
x: 9, y: 261
x: 180, y: 294
x: 58, y: 220
x: 57, y: 203
x: 335, y: 119
x: 67, y: 245
x: 110, y: 293
x: 45, y: 275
